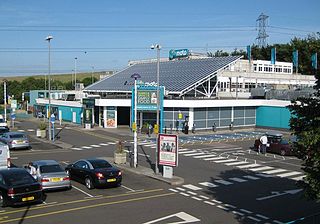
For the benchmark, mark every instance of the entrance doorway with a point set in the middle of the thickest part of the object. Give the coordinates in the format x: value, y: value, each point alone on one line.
x: 123, y: 116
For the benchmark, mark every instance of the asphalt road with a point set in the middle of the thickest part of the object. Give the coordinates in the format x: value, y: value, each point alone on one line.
x: 215, y: 190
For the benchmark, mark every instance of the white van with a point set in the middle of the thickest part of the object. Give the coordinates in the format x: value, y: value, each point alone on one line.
x: 5, y: 161
x: 3, y: 123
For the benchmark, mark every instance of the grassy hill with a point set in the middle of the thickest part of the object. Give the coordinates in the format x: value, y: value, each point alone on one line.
x: 60, y: 77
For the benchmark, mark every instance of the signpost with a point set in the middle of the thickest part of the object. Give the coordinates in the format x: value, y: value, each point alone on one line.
x: 13, y: 117
x: 52, y: 120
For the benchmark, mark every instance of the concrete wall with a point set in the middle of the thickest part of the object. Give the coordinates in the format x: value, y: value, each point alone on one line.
x: 271, y: 116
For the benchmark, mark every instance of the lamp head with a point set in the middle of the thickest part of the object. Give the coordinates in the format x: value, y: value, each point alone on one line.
x: 48, y: 38
x: 152, y: 46
x: 136, y: 76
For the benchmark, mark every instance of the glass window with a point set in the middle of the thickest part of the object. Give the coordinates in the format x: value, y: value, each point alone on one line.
x: 238, y: 121
x: 100, y: 164
x: 200, y: 124
x: 19, y: 178
x: 225, y: 122
x: 81, y: 165
x: 250, y: 121
x: 225, y: 112
x: 238, y: 112
x: 250, y: 112
x: 213, y: 113
x: 51, y: 168
x: 199, y: 113
x: 210, y: 123
x: 17, y: 136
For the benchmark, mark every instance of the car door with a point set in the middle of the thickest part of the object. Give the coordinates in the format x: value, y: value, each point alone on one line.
x: 275, y: 145
x: 83, y: 171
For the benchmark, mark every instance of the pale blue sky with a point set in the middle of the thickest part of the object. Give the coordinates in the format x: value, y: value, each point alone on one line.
x: 107, y: 34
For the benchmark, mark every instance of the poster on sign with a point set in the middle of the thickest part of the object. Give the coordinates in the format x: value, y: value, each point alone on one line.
x: 168, y: 150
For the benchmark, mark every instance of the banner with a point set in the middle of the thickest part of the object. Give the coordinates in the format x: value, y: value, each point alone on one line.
x: 168, y: 150
x: 273, y: 55
x: 249, y: 53
x: 314, y: 61
x: 295, y: 58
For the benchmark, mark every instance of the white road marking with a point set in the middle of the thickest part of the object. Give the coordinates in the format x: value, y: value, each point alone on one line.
x: 236, y: 163
x: 76, y: 149
x: 230, y: 206
x: 103, y: 144
x: 194, y: 154
x: 261, y: 168
x: 262, y: 216
x: 275, y: 171
x: 216, y: 201
x: 30, y: 130
x: 20, y: 130
x: 236, y: 179
x: 251, y: 177
x: 186, y: 218
x: 298, y: 178
x: 82, y: 191
x: 263, y: 175
x: 196, y: 198
x: 148, y: 145
x: 112, y: 143
x: 127, y: 188
x: 224, y: 182
x: 216, y: 158
x: 184, y: 152
x: 208, y: 184
x: 248, y: 166
x: 238, y: 213
x: 278, y: 222
x: 181, y: 150
x: 204, y: 197
x: 205, y: 156
x: 225, y: 161
x: 288, y: 174
x: 95, y: 146
x: 227, y: 149
x: 192, y: 187
x: 224, y: 208
x: 254, y: 219
x: 184, y: 194
x: 246, y: 211
x: 180, y: 189
x: 86, y: 147
x: 174, y: 190
x: 190, y: 192
x: 58, y: 128
x: 208, y: 202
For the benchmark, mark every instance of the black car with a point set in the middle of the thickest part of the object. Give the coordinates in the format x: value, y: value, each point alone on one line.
x: 4, y: 130
x: 94, y: 173
x: 17, y: 187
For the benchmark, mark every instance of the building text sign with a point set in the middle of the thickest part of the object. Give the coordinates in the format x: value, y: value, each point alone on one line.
x: 168, y: 150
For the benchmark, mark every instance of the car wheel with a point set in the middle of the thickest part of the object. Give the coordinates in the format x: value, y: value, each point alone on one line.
x: 282, y: 152
x: 2, y: 202
x: 89, y: 183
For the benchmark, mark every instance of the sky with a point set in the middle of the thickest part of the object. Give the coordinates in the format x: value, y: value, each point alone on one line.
x: 106, y: 34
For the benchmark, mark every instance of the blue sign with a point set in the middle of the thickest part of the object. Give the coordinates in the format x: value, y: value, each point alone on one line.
x: 178, y: 53
x: 13, y: 116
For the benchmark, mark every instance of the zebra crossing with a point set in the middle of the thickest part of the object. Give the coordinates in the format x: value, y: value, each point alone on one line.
x: 93, y: 146
x: 195, y: 192
x: 214, y: 157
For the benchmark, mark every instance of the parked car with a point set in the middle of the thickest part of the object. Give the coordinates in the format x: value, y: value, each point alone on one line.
x: 94, y: 173
x: 5, y: 161
x: 276, y: 144
x: 4, y: 130
x: 15, y: 140
x: 3, y: 123
x: 17, y: 187
x: 51, y: 175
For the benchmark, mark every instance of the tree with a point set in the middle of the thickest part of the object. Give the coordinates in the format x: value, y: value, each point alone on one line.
x: 305, y: 125
x: 88, y: 81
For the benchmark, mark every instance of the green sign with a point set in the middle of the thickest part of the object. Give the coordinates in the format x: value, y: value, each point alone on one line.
x: 88, y: 102
x: 181, y: 53
x: 147, y: 99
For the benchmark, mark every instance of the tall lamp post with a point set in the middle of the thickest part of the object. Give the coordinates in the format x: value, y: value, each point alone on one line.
x: 135, y: 76
x: 5, y: 99
x: 49, y: 38
x: 92, y: 74
x: 158, y: 47
x: 75, y: 73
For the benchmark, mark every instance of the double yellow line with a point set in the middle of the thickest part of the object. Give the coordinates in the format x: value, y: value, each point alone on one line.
x: 6, y: 219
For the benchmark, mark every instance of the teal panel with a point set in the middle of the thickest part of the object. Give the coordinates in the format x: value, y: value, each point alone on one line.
x: 271, y: 116
x: 68, y: 111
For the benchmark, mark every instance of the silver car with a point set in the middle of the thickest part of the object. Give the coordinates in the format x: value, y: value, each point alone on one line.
x: 15, y: 140
x: 51, y: 175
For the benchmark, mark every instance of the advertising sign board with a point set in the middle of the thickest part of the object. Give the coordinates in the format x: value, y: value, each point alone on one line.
x: 178, y: 53
x: 13, y: 104
x: 87, y: 116
x: 111, y: 117
x: 168, y: 150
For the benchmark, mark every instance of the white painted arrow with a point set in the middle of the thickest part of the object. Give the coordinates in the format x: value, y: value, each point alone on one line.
x: 277, y: 193
x: 186, y: 218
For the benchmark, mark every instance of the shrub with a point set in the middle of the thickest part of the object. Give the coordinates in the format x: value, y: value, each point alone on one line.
x: 42, y: 126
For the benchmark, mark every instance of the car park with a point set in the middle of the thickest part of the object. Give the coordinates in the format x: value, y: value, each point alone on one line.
x: 51, y: 175
x: 5, y: 161
x: 276, y: 144
x: 94, y: 173
x: 18, y: 187
x: 15, y: 140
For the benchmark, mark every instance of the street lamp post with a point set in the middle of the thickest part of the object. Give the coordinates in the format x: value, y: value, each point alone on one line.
x: 135, y: 76
x: 158, y: 47
x: 5, y: 99
x: 92, y: 74
x: 75, y: 73
x: 49, y: 38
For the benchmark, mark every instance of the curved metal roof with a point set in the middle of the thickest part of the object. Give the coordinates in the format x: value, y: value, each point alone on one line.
x: 174, y: 75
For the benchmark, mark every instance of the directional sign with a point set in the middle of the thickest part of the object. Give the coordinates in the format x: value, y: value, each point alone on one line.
x: 186, y: 218
x: 13, y: 116
x: 277, y: 194
x: 52, y: 118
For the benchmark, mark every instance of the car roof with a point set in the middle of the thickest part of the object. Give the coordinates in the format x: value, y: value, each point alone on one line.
x: 274, y: 133
x: 45, y: 162
x: 15, y: 133
x: 95, y: 159
x: 12, y: 171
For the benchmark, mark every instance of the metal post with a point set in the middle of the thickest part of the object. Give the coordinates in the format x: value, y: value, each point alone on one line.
x: 158, y: 103
x: 75, y: 73
x: 49, y: 38
x: 237, y: 87
x: 92, y: 75
x: 5, y: 99
x: 135, y: 147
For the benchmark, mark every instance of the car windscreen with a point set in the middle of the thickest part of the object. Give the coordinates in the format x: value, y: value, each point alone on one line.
x: 50, y: 168
x: 19, y: 179
x: 16, y: 136
x: 2, y: 120
x: 100, y: 164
